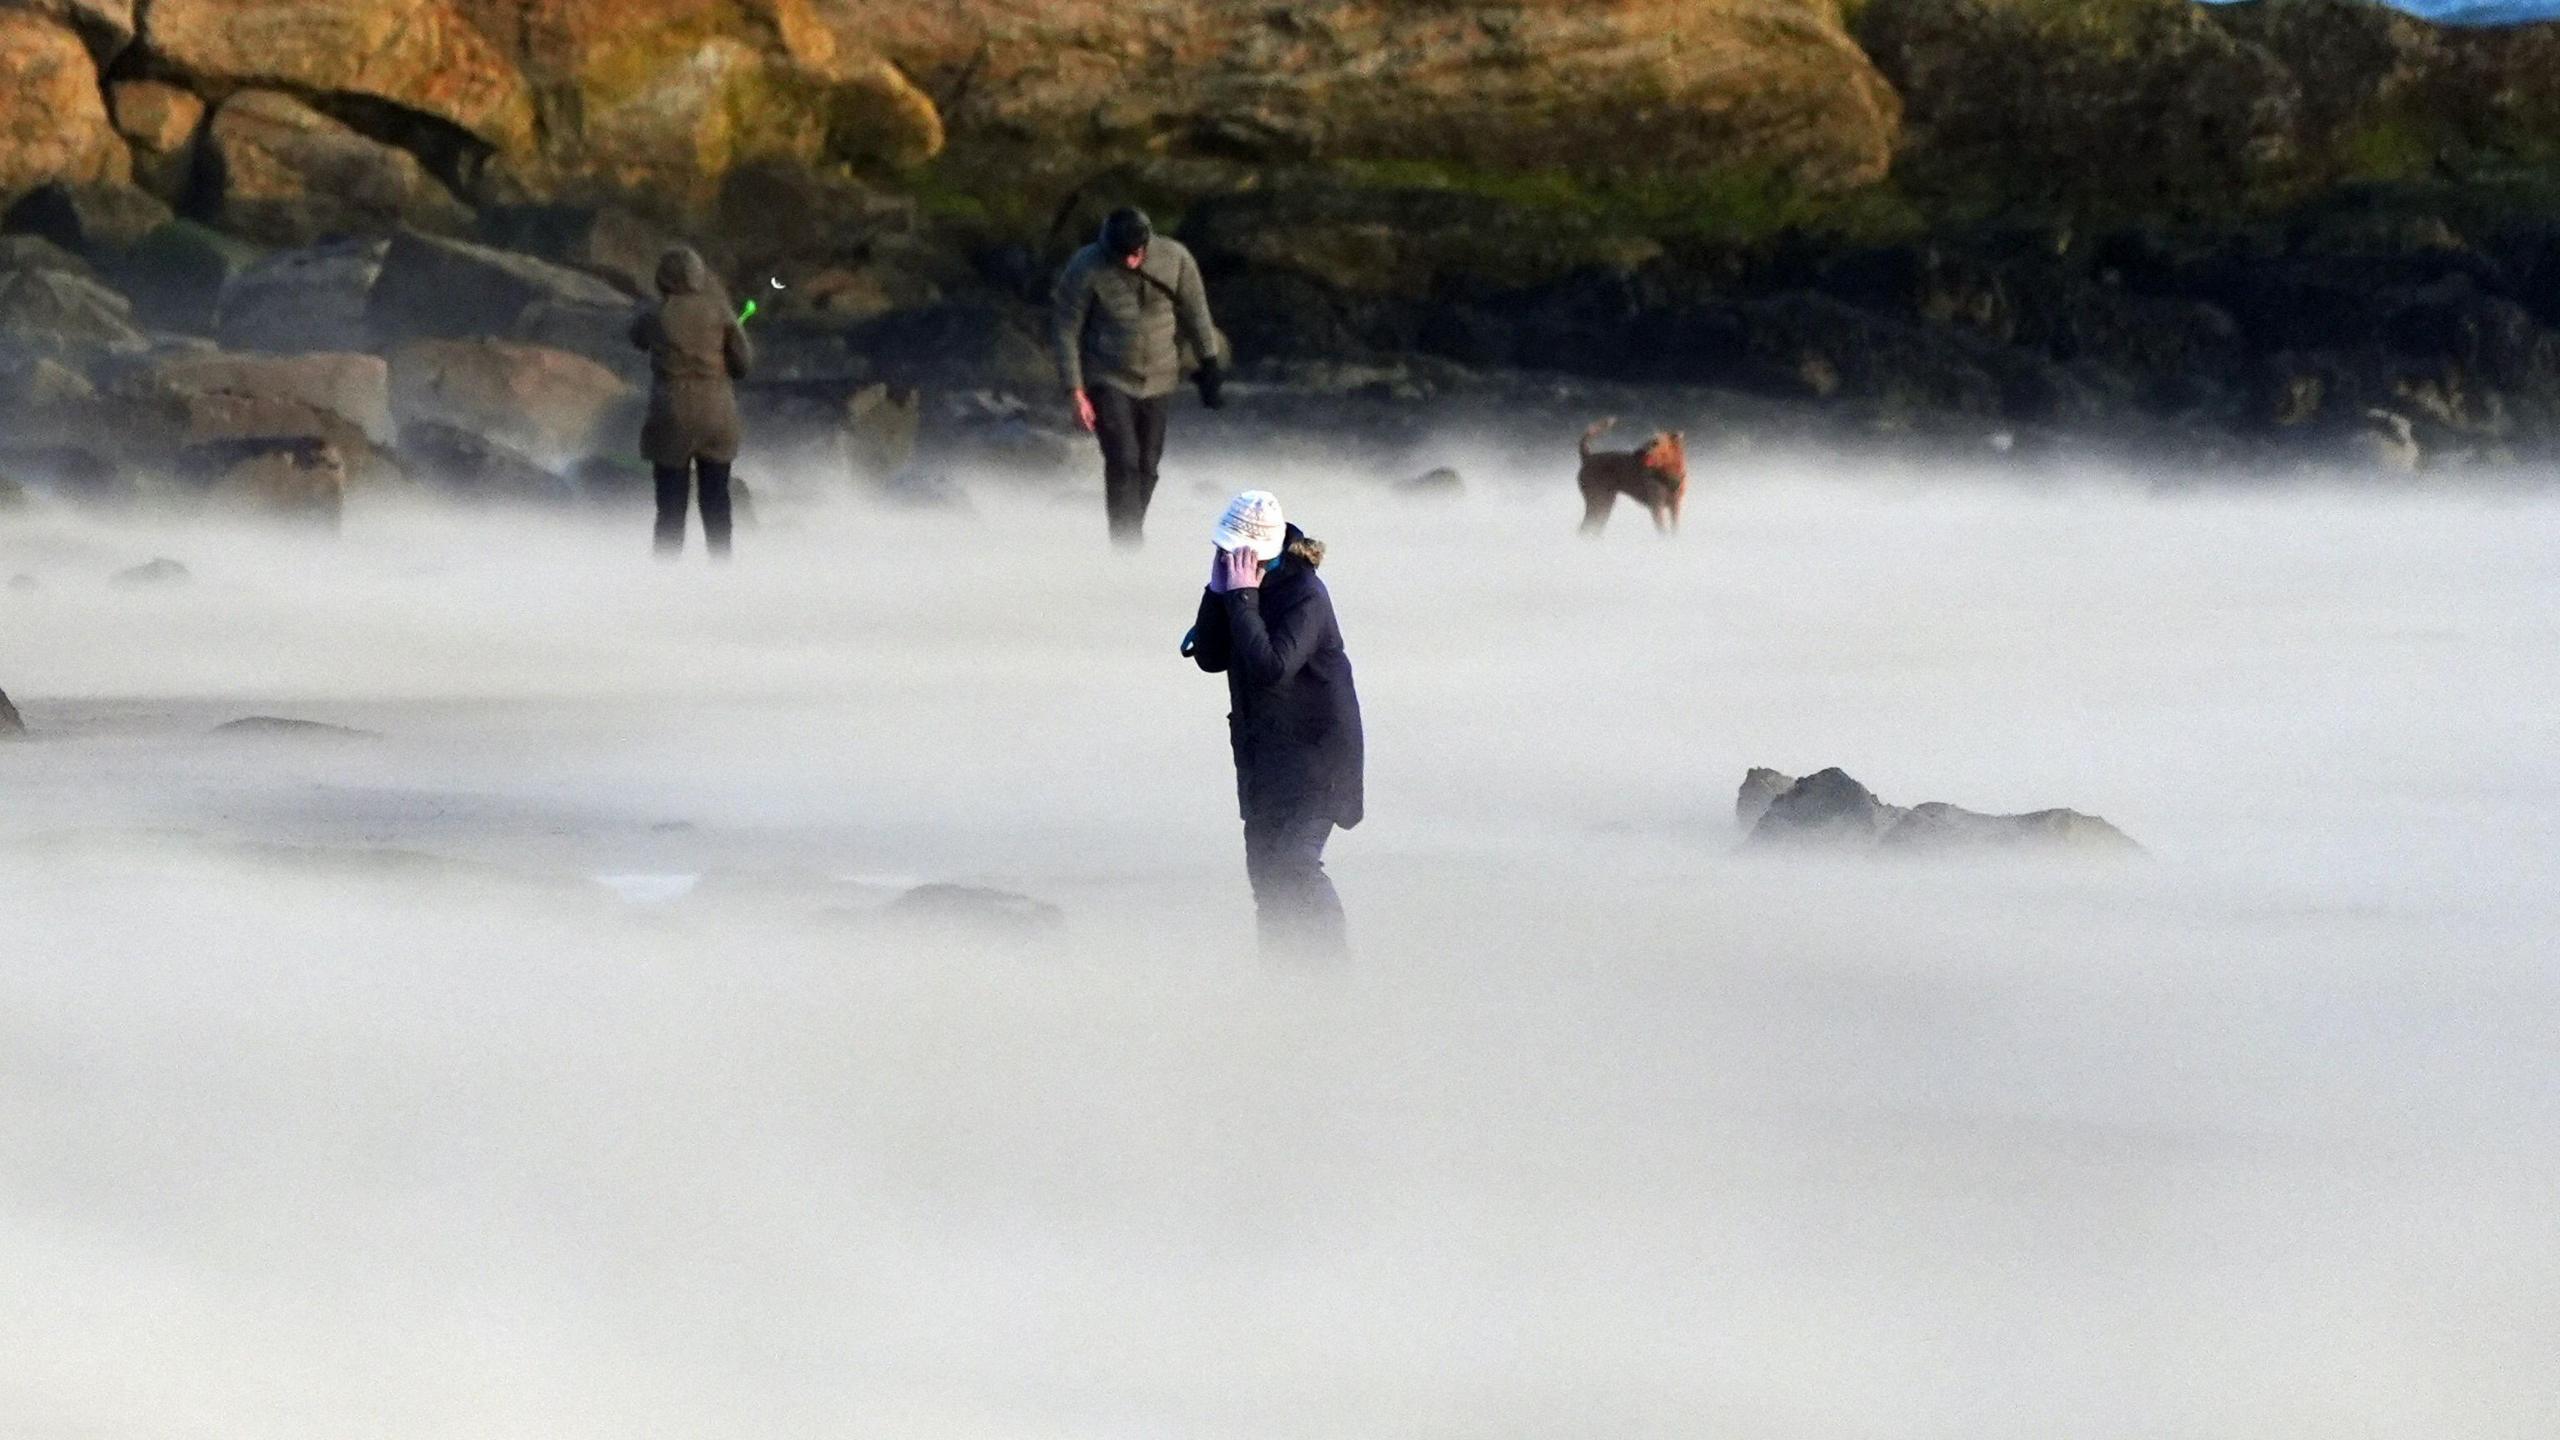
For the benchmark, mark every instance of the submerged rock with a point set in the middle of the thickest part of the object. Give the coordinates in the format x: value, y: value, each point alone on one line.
x: 151, y: 574
x: 1830, y: 810
x: 976, y: 911
x: 1442, y: 483
x: 1827, y: 809
x: 279, y: 727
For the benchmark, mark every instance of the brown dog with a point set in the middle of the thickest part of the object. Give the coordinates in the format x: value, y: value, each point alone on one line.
x: 1654, y: 475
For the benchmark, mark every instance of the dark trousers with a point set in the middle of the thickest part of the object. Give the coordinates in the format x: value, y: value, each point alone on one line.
x: 674, y: 483
x: 1132, y: 435
x: 1299, y: 913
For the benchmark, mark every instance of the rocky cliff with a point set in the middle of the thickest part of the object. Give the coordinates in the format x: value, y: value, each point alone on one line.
x: 2274, y: 219
x: 2167, y: 107
x: 655, y: 99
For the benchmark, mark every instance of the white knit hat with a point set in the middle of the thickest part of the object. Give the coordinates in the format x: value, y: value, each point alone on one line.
x: 1253, y: 522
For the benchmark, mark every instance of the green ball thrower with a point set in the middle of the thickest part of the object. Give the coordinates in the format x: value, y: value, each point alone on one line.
x: 748, y: 311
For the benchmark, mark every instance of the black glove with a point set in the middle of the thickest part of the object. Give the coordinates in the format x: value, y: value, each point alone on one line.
x: 1212, y: 380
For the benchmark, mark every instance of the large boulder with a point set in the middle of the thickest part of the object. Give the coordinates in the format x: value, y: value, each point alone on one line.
x: 174, y: 407
x: 605, y: 241
x: 1936, y: 828
x: 546, y: 404
x: 1746, y: 88
x: 420, y: 56
x: 99, y: 219
x: 106, y: 26
x: 285, y: 174
x: 659, y: 99
x: 865, y: 432
x: 472, y: 466
x: 434, y: 288
x: 65, y: 316
x: 1831, y: 811
x: 311, y: 298
x: 1827, y: 809
x: 161, y: 122
x: 964, y: 343
x: 291, y: 477
x: 53, y: 117
x: 178, y: 273
x: 34, y: 252
x: 352, y: 392
x: 44, y: 405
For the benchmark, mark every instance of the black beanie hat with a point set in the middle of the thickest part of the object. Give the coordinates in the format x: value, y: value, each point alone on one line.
x: 1127, y: 232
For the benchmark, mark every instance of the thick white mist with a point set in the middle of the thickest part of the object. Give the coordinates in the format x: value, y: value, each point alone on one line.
x: 1607, y: 1132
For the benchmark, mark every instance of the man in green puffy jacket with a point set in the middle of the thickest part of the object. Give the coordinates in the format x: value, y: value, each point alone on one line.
x: 1127, y: 306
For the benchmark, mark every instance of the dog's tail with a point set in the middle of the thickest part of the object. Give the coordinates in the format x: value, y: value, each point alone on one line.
x: 1594, y: 433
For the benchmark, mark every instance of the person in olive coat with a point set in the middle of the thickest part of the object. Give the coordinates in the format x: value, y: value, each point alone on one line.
x: 1127, y: 308
x: 1266, y: 622
x: 696, y: 349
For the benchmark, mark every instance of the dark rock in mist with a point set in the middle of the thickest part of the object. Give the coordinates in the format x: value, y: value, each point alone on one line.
x: 151, y: 574
x: 10, y: 722
x: 435, y: 288
x: 72, y: 472
x: 178, y: 273
x: 1760, y: 789
x: 614, y: 482
x: 959, y: 343
x: 1827, y: 809
x: 162, y: 124
x: 976, y: 912
x: 96, y: 220
x: 66, y: 316
x: 917, y: 488
x: 310, y: 298
x: 1831, y: 811
x: 472, y: 466
x: 277, y: 727
x: 34, y: 252
x: 1439, y: 484
x: 605, y: 241
x: 1940, y: 827
x: 864, y: 432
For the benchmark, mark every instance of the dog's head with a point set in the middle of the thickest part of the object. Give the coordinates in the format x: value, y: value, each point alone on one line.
x: 1667, y: 455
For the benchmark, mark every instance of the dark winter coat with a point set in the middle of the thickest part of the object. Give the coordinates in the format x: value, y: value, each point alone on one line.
x: 1127, y: 329
x: 696, y: 348
x: 1293, y: 717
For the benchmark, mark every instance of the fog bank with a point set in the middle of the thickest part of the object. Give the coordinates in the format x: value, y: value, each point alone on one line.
x: 339, y: 1092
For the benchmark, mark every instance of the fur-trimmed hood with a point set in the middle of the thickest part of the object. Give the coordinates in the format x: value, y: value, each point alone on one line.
x: 1299, y: 545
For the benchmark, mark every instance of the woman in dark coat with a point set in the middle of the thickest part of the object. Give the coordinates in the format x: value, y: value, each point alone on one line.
x: 696, y: 348
x: 1267, y: 624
